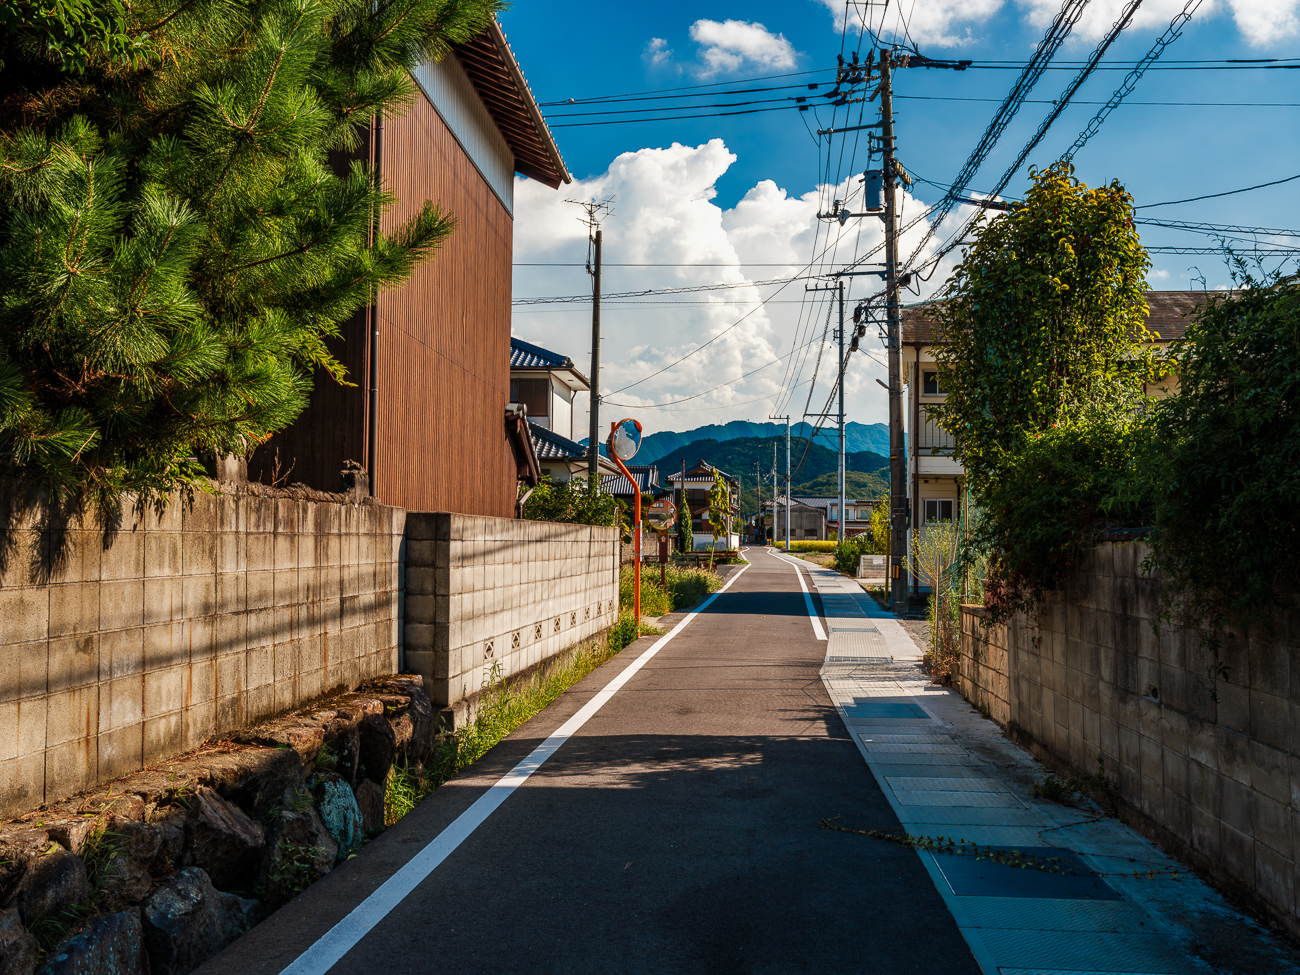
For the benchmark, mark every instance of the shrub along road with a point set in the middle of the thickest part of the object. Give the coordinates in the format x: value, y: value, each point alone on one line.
x: 676, y: 831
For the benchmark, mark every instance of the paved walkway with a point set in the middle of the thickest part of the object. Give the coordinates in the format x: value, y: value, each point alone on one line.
x: 947, y: 773
x: 664, y: 816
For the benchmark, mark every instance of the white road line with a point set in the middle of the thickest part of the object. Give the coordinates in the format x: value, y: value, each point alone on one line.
x: 807, y: 599
x: 340, y: 939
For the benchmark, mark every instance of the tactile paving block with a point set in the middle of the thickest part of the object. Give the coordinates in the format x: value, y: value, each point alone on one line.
x: 937, y: 783
x: 970, y: 875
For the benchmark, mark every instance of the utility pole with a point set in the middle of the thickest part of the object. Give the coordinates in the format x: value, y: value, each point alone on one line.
x: 843, y: 369
x: 898, y: 582
x: 787, y: 483
x: 594, y: 213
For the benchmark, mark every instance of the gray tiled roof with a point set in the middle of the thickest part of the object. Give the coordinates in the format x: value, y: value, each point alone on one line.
x: 551, y: 446
x: 525, y: 355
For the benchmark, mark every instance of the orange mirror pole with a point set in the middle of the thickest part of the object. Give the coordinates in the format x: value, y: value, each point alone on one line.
x: 636, y: 531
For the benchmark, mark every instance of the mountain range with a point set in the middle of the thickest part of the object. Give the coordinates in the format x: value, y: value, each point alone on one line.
x: 858, y: 437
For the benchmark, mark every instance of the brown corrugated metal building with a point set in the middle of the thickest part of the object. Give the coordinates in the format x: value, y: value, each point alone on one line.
x: 439, y: 436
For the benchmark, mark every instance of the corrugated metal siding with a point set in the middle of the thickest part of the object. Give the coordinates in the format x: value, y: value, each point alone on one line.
x: 444, y: 373
x: 449, y: 89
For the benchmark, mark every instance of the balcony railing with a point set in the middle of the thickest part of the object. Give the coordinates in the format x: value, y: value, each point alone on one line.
x: 934, y: 439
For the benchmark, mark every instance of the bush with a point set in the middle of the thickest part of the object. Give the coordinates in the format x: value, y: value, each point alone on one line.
x: 571, y: 502
x: 1228, y: 472
x: 686, y: 587
x: 1051, y: 498
x: 851, y: 550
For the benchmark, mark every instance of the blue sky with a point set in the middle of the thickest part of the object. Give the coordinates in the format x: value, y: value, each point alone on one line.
x: 746, y: 188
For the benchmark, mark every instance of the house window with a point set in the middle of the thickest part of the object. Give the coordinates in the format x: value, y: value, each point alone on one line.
x: 938, y: 510
x: 930, y: 385
x: 535, y: 394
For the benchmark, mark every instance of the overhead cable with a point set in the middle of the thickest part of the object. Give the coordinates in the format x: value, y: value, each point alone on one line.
x: 1171, y: 34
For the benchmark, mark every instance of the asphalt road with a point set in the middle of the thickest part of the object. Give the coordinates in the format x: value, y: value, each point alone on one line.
x: 676, y: 832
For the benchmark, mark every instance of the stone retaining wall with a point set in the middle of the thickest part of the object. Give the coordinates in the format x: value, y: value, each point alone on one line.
x: 1209, y: 767
x: 121, y: 649
x: 493, y: 592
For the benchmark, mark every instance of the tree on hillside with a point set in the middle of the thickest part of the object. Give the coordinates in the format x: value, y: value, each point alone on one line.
x: 177, y: 237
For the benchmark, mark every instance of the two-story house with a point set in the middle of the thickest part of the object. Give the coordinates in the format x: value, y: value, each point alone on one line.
x: 544, y: 385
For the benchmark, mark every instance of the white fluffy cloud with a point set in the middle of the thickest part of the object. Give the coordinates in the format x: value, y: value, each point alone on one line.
x: 1265, y: 22
x: 950, y: 23
x: 731, y: 45
x: 1262, y: 23
x: 665, y: 214
x: 657, y: 53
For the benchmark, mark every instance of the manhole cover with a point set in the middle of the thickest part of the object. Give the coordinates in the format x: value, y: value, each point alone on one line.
x: 972, y: 877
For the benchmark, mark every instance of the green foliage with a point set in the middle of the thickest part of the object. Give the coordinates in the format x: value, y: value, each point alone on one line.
x: 719, y: 511
x: 177, y: 242
x: 71, y: 34
x: 685, y: 541
x: 850, y: 551
x: 1044, y: 367
x: 1044, y: 317
x: 857, y: 485
x: 1052, y: 496
x: 576, y: 501
x: 880, y: 527
x: 686, y: 586
x: 1228, y: 468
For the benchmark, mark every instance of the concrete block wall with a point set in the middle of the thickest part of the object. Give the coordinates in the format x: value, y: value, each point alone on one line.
x: 482, y: 591
x: 119, y: 650
x: 1209, y: 766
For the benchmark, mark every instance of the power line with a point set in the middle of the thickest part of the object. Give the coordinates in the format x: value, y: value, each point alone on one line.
x: 1171, y: 34
x: 721, y: 286
x: 1213, y: 196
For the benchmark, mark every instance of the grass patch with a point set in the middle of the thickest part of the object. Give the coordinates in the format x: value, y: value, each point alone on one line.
x: 810, y: 545
x: 686, y: 586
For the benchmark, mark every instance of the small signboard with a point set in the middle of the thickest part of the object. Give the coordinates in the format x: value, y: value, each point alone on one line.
x: 661, y: 515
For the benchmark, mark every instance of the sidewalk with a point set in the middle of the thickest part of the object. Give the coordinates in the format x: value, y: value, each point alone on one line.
x: 1112, y: 902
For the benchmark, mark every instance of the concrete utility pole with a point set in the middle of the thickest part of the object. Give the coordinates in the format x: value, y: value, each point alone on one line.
x: 898, y: 582
x: 843, y: 369
x: 593, y: 443
x: 787, y: 483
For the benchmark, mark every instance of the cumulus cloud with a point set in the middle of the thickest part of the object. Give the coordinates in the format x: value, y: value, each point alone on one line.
x: 948, y: 23
x: 665, y: 213
x: 1261, y: 22
x: 730, y: 45
x: 1265, y: 22
x: 657, y: 53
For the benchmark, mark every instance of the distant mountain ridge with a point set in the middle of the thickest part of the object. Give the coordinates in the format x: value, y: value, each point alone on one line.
x: 738, y: 457
x: 858, y: 437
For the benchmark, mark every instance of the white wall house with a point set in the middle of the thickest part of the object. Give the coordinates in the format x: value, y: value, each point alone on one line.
x: 545, y: 383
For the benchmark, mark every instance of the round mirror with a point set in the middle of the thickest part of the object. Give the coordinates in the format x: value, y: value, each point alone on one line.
x: 661, y: 515
x: 625, y: 441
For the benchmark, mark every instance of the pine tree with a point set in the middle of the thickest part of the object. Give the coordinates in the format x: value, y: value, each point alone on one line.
x: 177, y: 239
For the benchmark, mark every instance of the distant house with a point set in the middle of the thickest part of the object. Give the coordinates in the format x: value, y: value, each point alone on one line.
x: 545, y: 384
x: 807, y: 522
x: 426, y: 412
x: 857, y: 514
x: 647, y: 483
x: 698, y: 483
